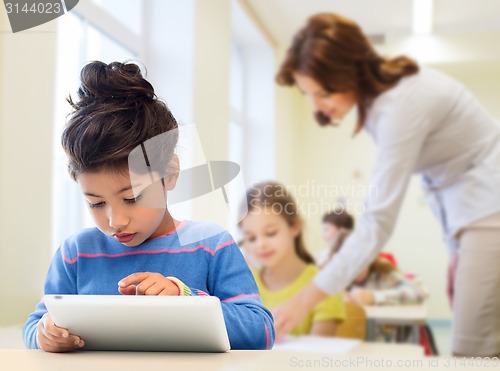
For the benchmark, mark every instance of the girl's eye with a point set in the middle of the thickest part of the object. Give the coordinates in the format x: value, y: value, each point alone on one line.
x: 133, y: 200
x: 271, y: 234
x: 99, y: 204
x: 328, y: 93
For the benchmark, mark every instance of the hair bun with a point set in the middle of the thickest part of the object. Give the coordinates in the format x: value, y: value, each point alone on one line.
x: 105, y: 82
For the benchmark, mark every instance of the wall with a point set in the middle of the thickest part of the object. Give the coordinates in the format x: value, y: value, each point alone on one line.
x: 211, y: 72
x: 289, y: 116
x: 27, y: 68
x: 211, y: 75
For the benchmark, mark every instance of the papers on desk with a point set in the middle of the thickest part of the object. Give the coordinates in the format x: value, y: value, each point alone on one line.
x: 316, y: 344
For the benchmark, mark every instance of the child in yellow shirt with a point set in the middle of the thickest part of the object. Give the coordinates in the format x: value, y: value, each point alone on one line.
x: 273, y: 237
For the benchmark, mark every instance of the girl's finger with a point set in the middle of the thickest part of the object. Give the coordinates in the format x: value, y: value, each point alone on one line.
x: 58, y: 348
x: 53, y: 330
x: 156, y: 289
x: 142, y: 287
x: 134, y: 279
x: 70, y: 340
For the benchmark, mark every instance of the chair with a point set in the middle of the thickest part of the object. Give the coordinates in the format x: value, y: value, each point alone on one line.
x: 354, y: 325
x: 427, y: 341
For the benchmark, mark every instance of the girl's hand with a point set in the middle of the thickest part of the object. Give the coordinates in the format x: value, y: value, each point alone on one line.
x: 56, y: 339
x: 147, y: 283
x: 361, y: 296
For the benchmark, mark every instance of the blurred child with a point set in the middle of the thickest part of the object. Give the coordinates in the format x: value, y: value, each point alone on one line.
x: 333, y: 223
x: 136, y: 249
x: 380, y: 283
x: 273, y: 236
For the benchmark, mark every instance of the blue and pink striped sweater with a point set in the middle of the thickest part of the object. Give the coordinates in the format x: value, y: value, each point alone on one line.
x: 91, y: 263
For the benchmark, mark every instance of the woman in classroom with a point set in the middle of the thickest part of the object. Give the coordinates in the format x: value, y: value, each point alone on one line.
x: 422, y: 122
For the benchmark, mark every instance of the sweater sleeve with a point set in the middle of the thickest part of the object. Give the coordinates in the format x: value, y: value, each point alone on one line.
x: 249, y: 323
x: 400, y: 129
x: 60, y: 280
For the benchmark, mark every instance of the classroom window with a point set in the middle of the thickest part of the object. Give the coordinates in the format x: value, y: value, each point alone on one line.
x: 90, y: 32
x: 252, y: 127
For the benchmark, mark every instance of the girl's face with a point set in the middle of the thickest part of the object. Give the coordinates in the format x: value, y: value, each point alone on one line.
x: 329, y: 232
x: 334, y: 105
x: 268, y: 237
x: 119, y: 214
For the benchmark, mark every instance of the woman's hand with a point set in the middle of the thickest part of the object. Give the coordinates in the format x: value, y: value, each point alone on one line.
x: 292, y: 312
x: 55, y: 339
x: 361, y: 296
x: 147, y: 283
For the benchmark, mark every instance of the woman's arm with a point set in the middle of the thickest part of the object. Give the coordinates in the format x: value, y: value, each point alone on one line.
x: 400, y: 130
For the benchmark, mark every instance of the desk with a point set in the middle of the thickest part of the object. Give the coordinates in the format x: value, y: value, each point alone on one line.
x: 399, y: 315
x: 237, y: 360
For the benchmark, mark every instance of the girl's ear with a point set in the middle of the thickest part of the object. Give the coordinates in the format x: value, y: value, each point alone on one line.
x: 172, y: 173
x: 296, y: 228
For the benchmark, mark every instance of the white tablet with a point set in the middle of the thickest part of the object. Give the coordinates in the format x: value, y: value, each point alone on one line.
x: 142, y: 323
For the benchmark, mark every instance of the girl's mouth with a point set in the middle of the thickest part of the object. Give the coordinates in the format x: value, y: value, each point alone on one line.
x: 125, y: 237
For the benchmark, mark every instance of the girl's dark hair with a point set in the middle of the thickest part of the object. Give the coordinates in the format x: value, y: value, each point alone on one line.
x: 339, y: 218
x: 275, y: 197
x: 334, y: 52
x: 117, y: 111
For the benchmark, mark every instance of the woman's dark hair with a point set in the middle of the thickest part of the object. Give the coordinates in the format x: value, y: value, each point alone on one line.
x: 275, y: 198
x: 339, y: 218
x: 334, y: 52
x: 117, y: 111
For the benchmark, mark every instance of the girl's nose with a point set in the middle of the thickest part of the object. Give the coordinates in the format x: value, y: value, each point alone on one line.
x: 118, y: 219
x: 314, y: 103
x: 260, y: 243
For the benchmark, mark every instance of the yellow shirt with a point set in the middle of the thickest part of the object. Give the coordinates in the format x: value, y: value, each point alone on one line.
x: 330, y: 308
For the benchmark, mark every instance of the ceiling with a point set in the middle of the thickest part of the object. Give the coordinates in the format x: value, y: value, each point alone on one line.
x: 282, y: 18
